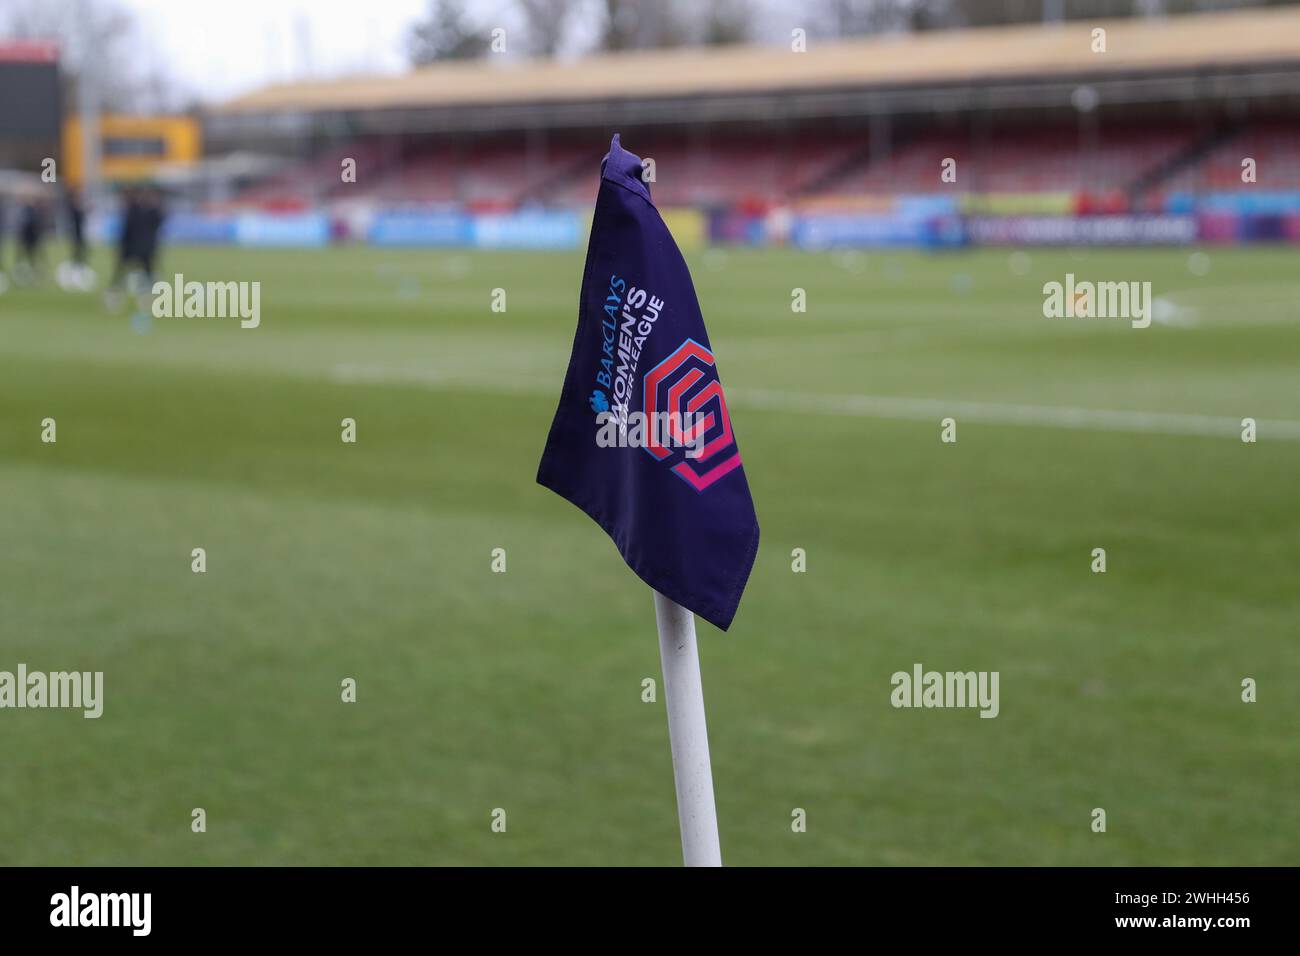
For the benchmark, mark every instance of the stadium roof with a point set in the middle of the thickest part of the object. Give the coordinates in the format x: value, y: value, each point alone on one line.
x: 1133, y: 46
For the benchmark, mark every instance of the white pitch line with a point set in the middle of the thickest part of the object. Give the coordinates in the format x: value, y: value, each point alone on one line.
x: 880, y: 406
x: 998, y: 413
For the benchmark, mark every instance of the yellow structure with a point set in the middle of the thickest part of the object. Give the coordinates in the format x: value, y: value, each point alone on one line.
x: 132, y: 147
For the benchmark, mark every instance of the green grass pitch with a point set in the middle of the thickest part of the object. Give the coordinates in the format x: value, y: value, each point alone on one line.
x: 523, y: 690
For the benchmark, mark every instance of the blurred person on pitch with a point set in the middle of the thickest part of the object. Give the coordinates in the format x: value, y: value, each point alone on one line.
x: 4, y: 279
x: 126, y: 244
x: 33, y: 220
x: 76, y: 274
x: 142, y: 222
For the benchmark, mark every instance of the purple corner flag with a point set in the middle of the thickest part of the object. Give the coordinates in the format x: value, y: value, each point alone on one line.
x: 642, y: 440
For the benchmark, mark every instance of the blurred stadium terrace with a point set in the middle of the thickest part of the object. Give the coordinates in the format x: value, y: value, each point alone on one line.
x: 845, y: 144
x: 841, y: 145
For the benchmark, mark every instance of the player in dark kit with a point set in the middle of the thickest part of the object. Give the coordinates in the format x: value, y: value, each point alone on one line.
x: 31, y: 234
x: 75, y: 275
x: 142, y: 222
x: 76, y: 226
x: 150, y: 229
x: 4, y: 279
x: 126, y: 237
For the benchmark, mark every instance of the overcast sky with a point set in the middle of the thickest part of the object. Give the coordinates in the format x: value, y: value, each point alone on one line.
x: 226, y: 47
x: 221, y: 48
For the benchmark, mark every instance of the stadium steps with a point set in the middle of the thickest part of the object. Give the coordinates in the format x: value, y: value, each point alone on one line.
x: 378, y: 161
x: 827, y: 180
x: 1195, y: 153
x: 557, y: 181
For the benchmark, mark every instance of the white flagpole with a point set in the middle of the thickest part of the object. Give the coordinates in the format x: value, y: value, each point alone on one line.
x: 687, y: 733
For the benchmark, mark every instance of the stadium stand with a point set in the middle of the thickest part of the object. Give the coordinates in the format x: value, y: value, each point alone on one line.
x: 312, y: 180
x: 1028, y: 111
x: 748, y: 169
x: 1023, y: 159
x: 1273, y: 145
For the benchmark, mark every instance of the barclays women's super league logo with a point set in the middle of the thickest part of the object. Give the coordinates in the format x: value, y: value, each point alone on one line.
x: 684, y: 389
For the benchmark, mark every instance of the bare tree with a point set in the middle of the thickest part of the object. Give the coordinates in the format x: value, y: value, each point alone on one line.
x: 857, y: 17
x: 727, y: 21
x: 846, y: 18
x: 619, y: 32
x: 97, y: 40
x: 445, y: 34
x: 546, y: 22
x: 642, y: 25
